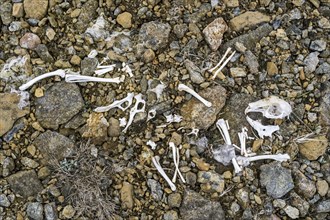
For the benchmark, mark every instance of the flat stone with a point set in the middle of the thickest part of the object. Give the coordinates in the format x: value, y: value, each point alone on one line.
x: 35, y: 211
x: 53, y: 146
x: 18, y: 10
x: 248, y: 19
x: 88, y: 66
x: 301, y: 204
x: 8, y: 166
x: 305, y: 186
x: 88, y: 13
x: 10, y: 111
x: 325, y: 105
x: 4, y: 201
x: 211, y: 181
x: 126, y: 196
x: 174, y: 200
x: 125, y: 19
x: 50, y: 211
x: 156, y: 189
x: 154, y: 35
x: 30, y: 41
x: 171, y: 215
x: 318, y: 45
x: 214, y: 31
x: 60, y: 103
x: 68, y: 212
x: 25, y: 183
x: 194, y: 72
x: 114, y: 129
x: 99, y: 31
x: 44, y: 54
x: 196, y: 207
x: 35, y: 8
x: 315, y: 148
x: 96, y: 127
x: 272, y: 69
x: 277, y: 180
x: 311, y: 62
x: 231, y: 3
x: 5, y: 12
x: 323, y: 207
x: 251, y: 61
x: 292, y: 212
x: 322, y: 187
x: 197, y: 115
x: 237, y: 72
x: 324, y: 68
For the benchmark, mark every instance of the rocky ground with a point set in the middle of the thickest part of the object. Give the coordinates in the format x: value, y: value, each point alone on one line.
x: 61, y: 160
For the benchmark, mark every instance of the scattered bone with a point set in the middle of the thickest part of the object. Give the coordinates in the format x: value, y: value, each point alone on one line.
x: 127, y: 69
x: 30, y: 83
x: 176, y: 159
x: 117, y: 104
x: 263, y: 130
x: 135, y: 110
x: 92, y: 54
x: 173, y: 118
x: 151, y: 114
x: 194, y: 132
x: 185, y: 88
x: 24, y: 98
x: 104, y: 69
x: 245, y: 161
x: 122, y: 122
x: 223, y: 127
x: 158, y: 90
x: 155, y: 161
x: 73, y: 78
x: 152, y: 144
x: 218, y: 70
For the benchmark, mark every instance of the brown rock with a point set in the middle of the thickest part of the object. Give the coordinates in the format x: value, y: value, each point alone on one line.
x: 149, y: 55
x: 125, y: 20
x: 35, y: 8
x: 9, y: 111
x: 313, y: 149
x: 322, y: 187
x: 30, y: 41
x: 18, y: 10
x: 126, y: 195
x: 97, y: 126
x: 214, y: 32
x: 114, y: 127
x: 231, y: 3
x: 305, y: 186
x: 248, y: 19
x: 272, y: 69
x: 197, y: 115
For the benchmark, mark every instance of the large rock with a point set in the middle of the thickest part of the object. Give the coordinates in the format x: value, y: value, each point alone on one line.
x: 248, y: 19
x: 196, y: 207
x: 214, y: 31
x: 154, y: 35
x: 314, y: 148
x: 87, y: 14
x: 25, y: 183
x: 60, y: 103
x: 35, y: 8
x: 10, y: 111
x: 197, y: 115
x: 53, y: 146
x: 277, y: 180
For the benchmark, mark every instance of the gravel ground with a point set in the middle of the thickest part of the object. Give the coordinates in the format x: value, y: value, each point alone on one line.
x: 60, y: 159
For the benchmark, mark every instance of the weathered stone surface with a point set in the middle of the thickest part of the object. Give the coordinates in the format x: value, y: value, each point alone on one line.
x: 305, y: 186
x: 10, y: 111
x: 53, y: 146
x: 311, y: 62
x: 248, y: 19
x: 194, y: 72
x: 18, y: 10
x: 59, y: 104
x: 35, y: 8
x: 196, y: 207
x: 25, y: 183
x: 30, y: 41
x: 125, y: 19
x: 126, y: 195
x: 325, y: 106
x: 35, y: 211
x: 197, y: 115
x: 211, y: 181
x: 154, y: 35
x: 323, y: 207
x: 299, y: 203
x: 214, y: 31
x: 88, y: 13
x: 5, y: 12
x: 96, y: 127
x: 315, y: 148
x: 272, y: 68
x: 277, y: 180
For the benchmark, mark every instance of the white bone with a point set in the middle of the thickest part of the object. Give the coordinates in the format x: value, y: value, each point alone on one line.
x: 155, y: 161
x: 176, y: 159
x: 27, y: 85
x: 237, y: 168
x: 127, y: 69
x: 194, y: 132
x: 173, y: 118
x: 185, y: 88
x: 151, y: 114
x: 263, y: 130
x: 104, y: 69
x: 24, y: 98
x: 122, y: 122
x: 271, y: 107
x: 242, y: 139
x: 223, y: 65
x: 118, y: 104
x: 73, y: 78
x: 222, y: 125
x: 222, y: 59
x: 135, y: 110
x: 92, y: 54
x: 158, y: 90
x: 245, y: 161
x: 152, y: 144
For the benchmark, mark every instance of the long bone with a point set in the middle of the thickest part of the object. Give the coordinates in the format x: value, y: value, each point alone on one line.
x: 176, y: 159
x: 73, y: 78
x: 245, y: 161
x: 27, y: 85
x: 223, y: 64
x: 185, y: 88
x: 155, y: 161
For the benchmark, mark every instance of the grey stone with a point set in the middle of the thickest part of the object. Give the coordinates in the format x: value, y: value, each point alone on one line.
x: 43, y: 53
x: 4, y: 201
x: 60, y: 103
x: 250, y: 39
x: 295, y: 14
x: 87, y: 14
x: 325, y: 105
x: 19, y: 124
x: 311, y: 62
x: 194, y: 72
x: 53, y: 146
x: 323, y: 207
x: 50, y: 211
x: 180, y: 30
x: 242, y: 196
x: 8, y: 166
x: 214, y: 31
x: 299, y: 203
x: 318, y: 45
x: 277, y: 180
x: 5, y: 12
x: 224, y: 154
x: 251, y: 61
x: 174, y: 200
x: 98, y: 30
x: 304, y: 186
x: 25, y: 183
x: 171, y: 215
x: 199, y: 14
x: 196, y: 207
x: 156, y: 189
x: 292, y: 212
x: 114, y: 129
x: 211, y: 181
x: 247, y: 20
x: 154, y: 35
x: 324, y: 68
x: 35, y: 211
x: 197, y: 115
x: 88, y: 66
